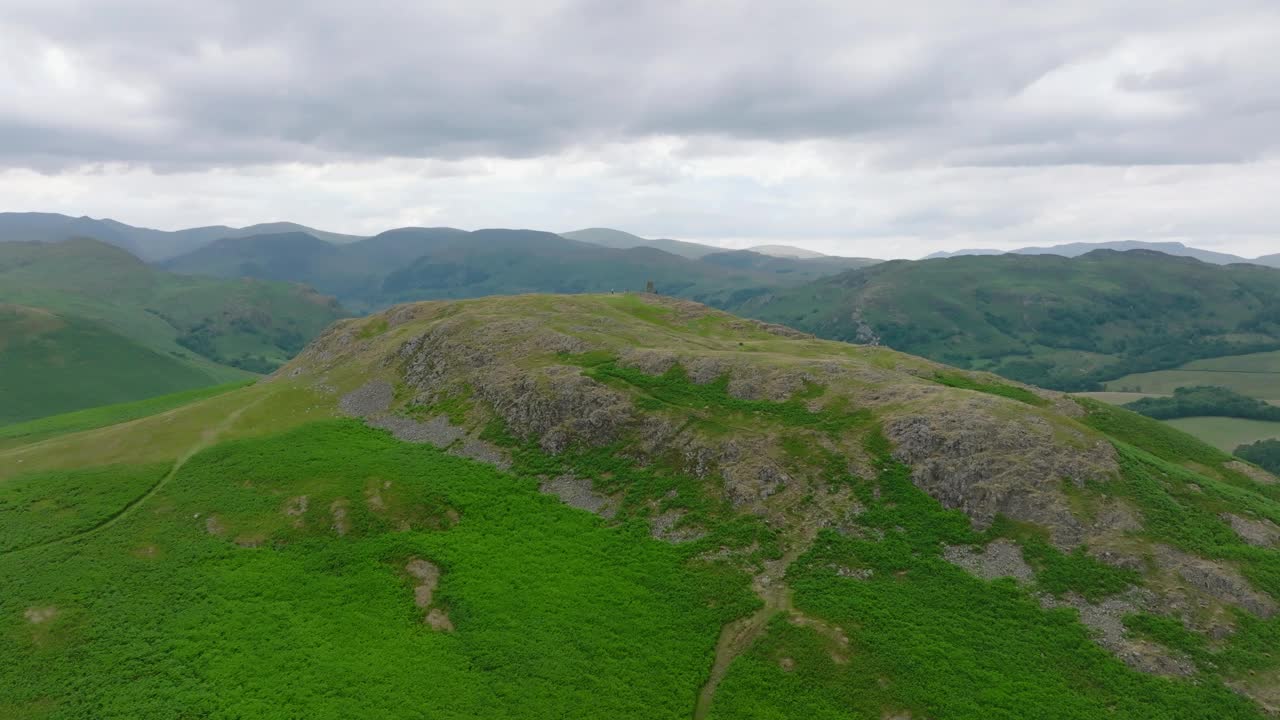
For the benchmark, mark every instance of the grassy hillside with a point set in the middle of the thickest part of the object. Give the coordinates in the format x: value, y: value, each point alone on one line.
x: 628, y: 506
x: 1048, y: 320
x: 33, y: 431
x: 84, y: 323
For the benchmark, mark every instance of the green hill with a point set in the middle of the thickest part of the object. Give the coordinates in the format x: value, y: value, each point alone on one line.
x: 629, y: 506
x: 1053, y: 321
x: 83, y: 323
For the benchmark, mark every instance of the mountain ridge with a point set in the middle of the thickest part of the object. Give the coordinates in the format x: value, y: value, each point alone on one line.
x: 1054, y: 321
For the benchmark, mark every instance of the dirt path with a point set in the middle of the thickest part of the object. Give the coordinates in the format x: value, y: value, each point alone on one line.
x: 207, y: 438
x: 738, y: 636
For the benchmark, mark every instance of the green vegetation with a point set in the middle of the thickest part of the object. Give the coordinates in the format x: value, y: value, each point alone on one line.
x: 956, y: 380
x: 1153, y: 436
x: 555, y: 615
x: 1264, y: 453
x: 46, y: 507
x: 81, y: 420
x: 84, y: 324
x: 1205, y: 401
x: 1050, y: 321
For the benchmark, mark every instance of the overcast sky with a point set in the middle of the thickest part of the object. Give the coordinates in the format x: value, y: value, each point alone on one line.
x: 857, y: 128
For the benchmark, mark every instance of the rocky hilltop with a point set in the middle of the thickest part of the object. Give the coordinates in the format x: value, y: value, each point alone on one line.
x: 757, y: 445
x: 629, y: 506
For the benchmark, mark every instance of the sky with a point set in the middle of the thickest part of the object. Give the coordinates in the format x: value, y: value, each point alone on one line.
x: 854, y: 128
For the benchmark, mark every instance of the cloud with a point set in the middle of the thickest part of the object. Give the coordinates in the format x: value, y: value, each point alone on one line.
x: 864, y: 128
x: 240, y: 82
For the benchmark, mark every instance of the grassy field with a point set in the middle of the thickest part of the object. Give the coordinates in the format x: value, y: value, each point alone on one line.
x: 1227, y: 433
x: 81, y: 420
x: 1256, y: 375
x: 1224, y: 433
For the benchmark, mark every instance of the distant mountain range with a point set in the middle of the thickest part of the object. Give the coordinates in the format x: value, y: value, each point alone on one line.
x: 432, y: 263
x: 161, y: 245
x: 150, y: 245
x: 1080, y: 248
x: 609, y: 237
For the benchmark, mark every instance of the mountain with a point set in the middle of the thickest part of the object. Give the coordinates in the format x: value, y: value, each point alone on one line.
x: 287, y: 227
x: 786, y: 251
x: 958, y: 253
x: 1059, y: 322
x: 491, y: 262
x: 789, y: 270
x: 1168, y: 248
x: 148, y: 244
x: 84, y: 323
x: 430, y: 263
x: 1269, y: 260
x: 627, y: 506
x: 1080, y: 248
x: 624, y: 240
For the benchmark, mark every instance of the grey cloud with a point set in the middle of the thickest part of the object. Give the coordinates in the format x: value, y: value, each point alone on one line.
x: 243, y: 82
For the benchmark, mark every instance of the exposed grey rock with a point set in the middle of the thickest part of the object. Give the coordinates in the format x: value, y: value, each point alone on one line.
x: 557, y: 406
x: 1262, y: 533
x: 751, y: 477
x: 749, y: 382
x: 1001, y: 558
x: 649, y: 362
x: 1106, y: 621
x: 437, y: 431
x: 577, y: 492
x: 855, y: 573
x: 1118, y: 559
x: 702, y: 370
x: 1116, y: 517
x: 1216, y: 580
x: 663, y: 527
x: 969, y: 456
x: 1252, y: 472
x: 428, y: 576
x: 482, y: 451
x: 371, y: 398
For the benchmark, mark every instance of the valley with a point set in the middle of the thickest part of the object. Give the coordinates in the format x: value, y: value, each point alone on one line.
x: 83, y: 324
